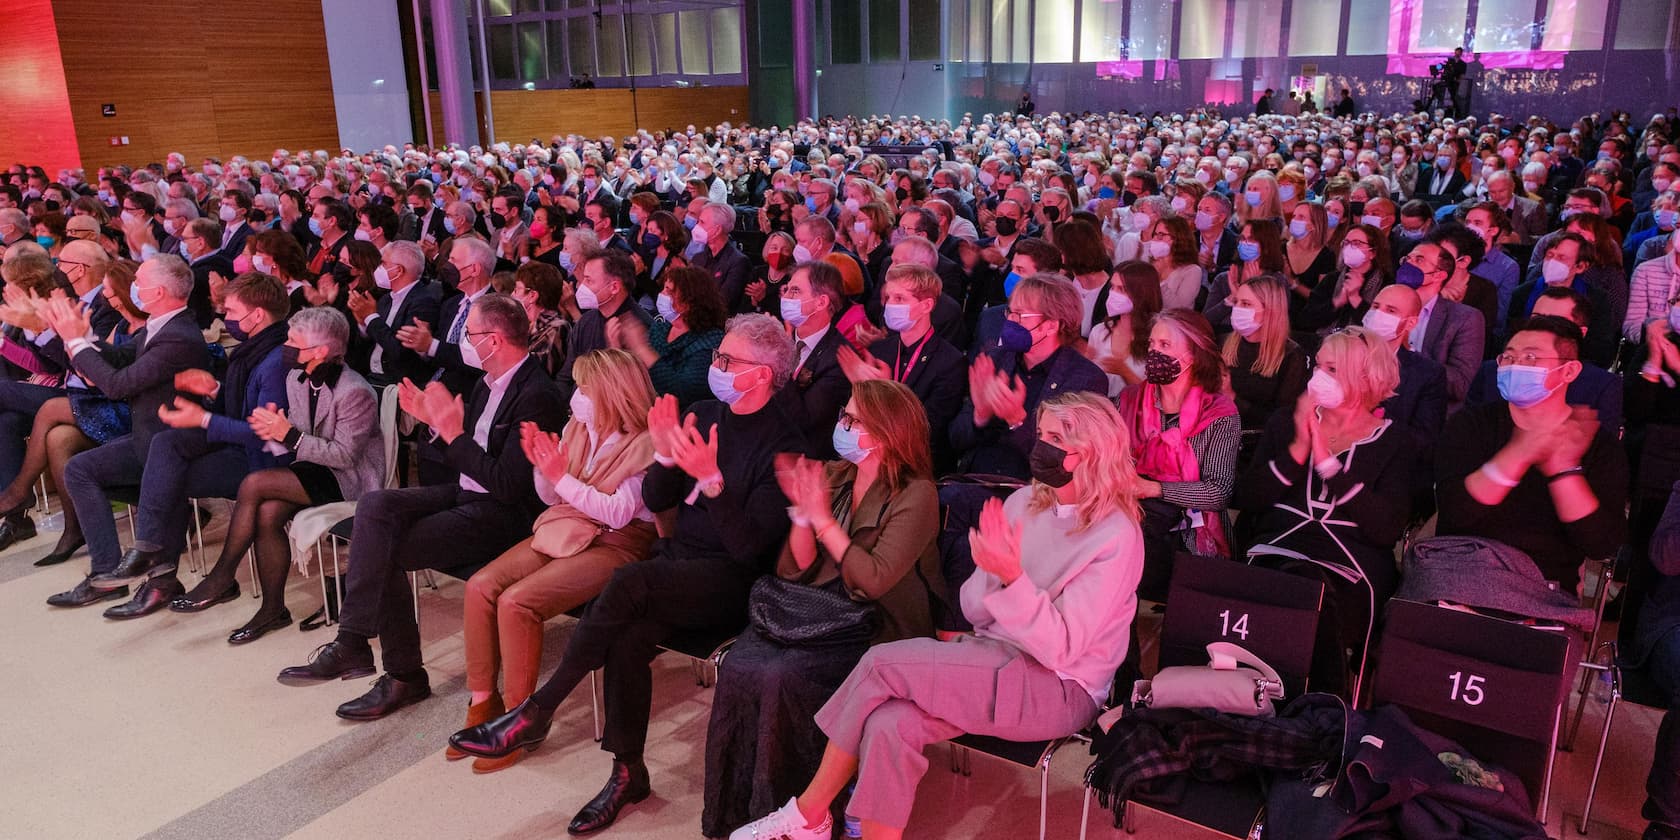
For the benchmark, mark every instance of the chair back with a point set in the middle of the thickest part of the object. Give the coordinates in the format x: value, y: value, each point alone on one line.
x: 388, y: 434
x: 1269, y: 613
x: 1494, y: 686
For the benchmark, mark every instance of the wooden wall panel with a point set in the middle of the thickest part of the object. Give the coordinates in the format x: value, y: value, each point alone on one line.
x: 523, y: 115
x: 35, y: 124
x: 200, y: 77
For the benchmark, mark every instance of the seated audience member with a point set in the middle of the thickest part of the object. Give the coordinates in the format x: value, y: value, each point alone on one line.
x: 811, y: 305
x: 1595, y: 387
x: 1185, y: 434
x: 411, y: 300
x: 1465, y: 248
x: 764, y: 290
x: 1052, y: 602
x: 1119, y: 341
x: 591, y: 477
x: 541, y: 289
x: 1030, y: 256
x: 1266, y: 370
x: 1307, y: 258
x: 1329, y: 489
x: 1534, y: 472
x: 1447, y: 331
x: 914, y: 354
x: 863, y: 529
x: 1259, y: 252
x: 1652, y: 297
x: 1037, y: 358
x: 207, y: 450
x: 1216, y: 243
x: 1568, y: 258
x: 1419, y: 402
x: 1656, y: 650
x: 605, y: 287
x: 1170, y: 246
x: 1579, y: 200
x: 402, y: 530
x: 716, y: 472
x: 141, y: 372
x: 677, y: 348
x: 1085, y: 258
x: 1363, y: 269
x: 1606, y: 276
x: 473, y: 261
x: 947, y: 317
x: 1489, y: 222
x: 201, y: 244
x: 719, y: 256
x: 329, y: 425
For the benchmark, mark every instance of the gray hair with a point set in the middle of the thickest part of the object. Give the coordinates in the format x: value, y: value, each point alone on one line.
x: 504, y: 316
x: 478, y: 251
x: 408, y: 255
x: 915, y: 249
x: 323, y: 326
x: 771, y: 344
x: 182, y: 207
x: 461, y: 208
x: 722, y: 214
x: 173, y: 274
x: 14, y: 217
x: 209, y: 230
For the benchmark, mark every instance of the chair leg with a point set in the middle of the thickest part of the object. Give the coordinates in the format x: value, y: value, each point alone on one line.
x: 1598, y: 763
x: 952, y: 753
x: 133, y: 535
x: 41, y: 495
x: 251, y: 564
x: 321, y: 562
x: 1085, y: 813
x: 1043, y: 795
x: 595, y: 703
x: 414, y: 590
x: 197, y: 555
x: 338, y: 579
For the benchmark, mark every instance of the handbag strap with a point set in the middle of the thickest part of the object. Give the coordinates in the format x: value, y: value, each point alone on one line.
x: 1226, y: 656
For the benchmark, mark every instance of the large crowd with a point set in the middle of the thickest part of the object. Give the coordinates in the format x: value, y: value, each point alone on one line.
x: 916, y: 410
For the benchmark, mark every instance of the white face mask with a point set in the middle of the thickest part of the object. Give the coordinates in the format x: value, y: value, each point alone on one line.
x: 262, y: 263
x: 1353, y: 256
x: 583, y: 408
x: 1326, y: 390
x: 382, y: 278
x: 1385, y: 324
x: 1118, y: 304
x: 469, y: 353
x: 1158, y: 249
x: 1244, y: 320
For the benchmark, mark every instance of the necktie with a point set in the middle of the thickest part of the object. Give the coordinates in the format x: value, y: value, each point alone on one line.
x: 801, y: 347
x: 460, y: 323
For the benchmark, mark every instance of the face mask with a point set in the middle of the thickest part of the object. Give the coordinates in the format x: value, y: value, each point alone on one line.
x: 1661, y: 184
x: 1385, y: 324
x: 242, y: 264
x: 1555, y: 272
x: 583, y: 408
x: 1245, y: 320
x: 987, y: 179
x: 1204, y: 220
x: 363, y: 236
x: 1180, y: 204
x: 1443, y: 164
x: 1161, y: 369
x: 1105, y: 193
x: 801, y: 254
x: 469, y: 353
x: 1046, y: 463
x: 1007, y: 226
x: 793, y: 312
x: 236, y: 329
x: 1666, y: 219
x: 1158, y: 249
x: 1353, y: 256
x: 667, y: 307
x: 227, y: 212
x: 1297, y: 228
x: 1332, y: 219
x: 1118, y: 304
x: 1204, y: 177
x: 382, y: 278
x: 1248, y: 251
x: 897, y: 317
x: 846, y: 444
x: 1252, y: 197
x: 1286, y: 192
x: 1326, y: 390
x: 586, y: 298
x: 1009, y: 283
x: 1524, y: 385
x: 289, y: 357
x: 1364, y: 169
x: 700, y: 235
x: 1531, y: 186
x: 723, y: 386
x: 811, y: 203
x: 46, y: 241
x: 1015, y: 338
x: 1409, y: 275
x: 1372, y: 221
x: 170, y: 227
x: 1567, y: 213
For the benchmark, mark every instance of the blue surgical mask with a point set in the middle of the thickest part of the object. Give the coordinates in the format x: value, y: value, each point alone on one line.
x: 793, y: 312
x: 1297, y: 228
x: 667, y: 307
x: 1014, y: 338
x: 448, y: 225
x: 1252, y: 197
x: 565, y: 259
x: 1105, y: 193
x: 1247, y: 251
x: 811, y: 203
x: 1332, y: 219
x: 1524, y: 385
x: 1010, y: 282
x: 897, y: 317
x: 134, y: 297
x: 1286, y: 192
x: 1666, y: 219
x: 315, y: 226
x: 723, y: 386
x: 689, y: 222
x: 846, y: 444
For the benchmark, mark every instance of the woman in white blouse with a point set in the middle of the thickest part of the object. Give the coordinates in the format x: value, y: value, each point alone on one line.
x: 591, y: 477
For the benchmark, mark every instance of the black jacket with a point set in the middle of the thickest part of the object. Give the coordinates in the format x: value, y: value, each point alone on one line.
x: 142, y: 372
x: 820, y: 389
x: 501, y: 468
x: 422, y: 303
x: 938, y: 376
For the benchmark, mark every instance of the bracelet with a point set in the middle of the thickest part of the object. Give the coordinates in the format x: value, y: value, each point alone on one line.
x: 1566, y: 472
x: 1493, y: 474
x: 824, y: 529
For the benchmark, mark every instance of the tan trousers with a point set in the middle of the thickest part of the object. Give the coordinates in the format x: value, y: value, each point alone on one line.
x: 508, y: 601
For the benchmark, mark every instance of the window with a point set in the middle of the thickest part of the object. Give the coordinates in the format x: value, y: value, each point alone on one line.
x: 609, y: 41
x: 665, y: 34
x: 695, y: 61
x: 640, y: 48
x: 499, y: 8
x: 978, y: 40
x: 726, y: 40
x: 1152, y: 29
x: 844, y: 32
x: 1577, y: 25
x: 959, y: 31
x: 1644, y: 24
x: 1000, y: 31
x: 775, y: 34
x: 502, y: 63
x: 924, y: 30
x: 580, y: 45
x: 1313, y: 25
x: 1053, y: 32
x: 1100, y: 30
x: 1201, y: 33
x: 1504, y: 26
x: 557, y: 50
x: 1438, y: 25
x: 533, y: 66
x: 883, y: 30
x: 524, y: 6
x: 1257, y: 29
x: 1367, y: 28
x: 1020, y: 40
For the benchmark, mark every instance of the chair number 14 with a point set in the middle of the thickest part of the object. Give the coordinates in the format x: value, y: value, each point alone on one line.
x: 1239, y: 627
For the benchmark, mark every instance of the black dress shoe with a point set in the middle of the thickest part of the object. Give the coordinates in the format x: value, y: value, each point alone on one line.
x: 627, y: 786
x: 61, y: 555
x: 331, y: 661
x: 86, y: 593
x: 152, y: 596
x: 252, y: 632
x: 187, y: 604
x: 135, y: 566
x: 387, y: 695
x: 524, y: 727
x: 15, y: 529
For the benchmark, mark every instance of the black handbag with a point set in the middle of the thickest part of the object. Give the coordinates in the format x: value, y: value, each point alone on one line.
x: 800, y: 615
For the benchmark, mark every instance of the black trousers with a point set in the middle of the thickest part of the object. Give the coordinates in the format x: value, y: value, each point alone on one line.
x: 400, y: 531
x: 642, y: 605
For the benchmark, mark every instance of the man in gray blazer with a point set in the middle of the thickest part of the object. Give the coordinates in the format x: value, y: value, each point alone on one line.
x: 1528, y: 217
x: 141, y: 372
x: 1450, y: 333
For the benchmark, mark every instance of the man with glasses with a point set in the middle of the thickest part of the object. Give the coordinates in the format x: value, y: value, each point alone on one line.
x: 411, y: 301
x: 1448, y: 332
x: 1531, y: 470
x: 201, y: 248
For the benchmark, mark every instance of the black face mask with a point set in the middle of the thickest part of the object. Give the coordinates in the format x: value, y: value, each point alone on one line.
x: 903, y: 194
x: 1161, y: 369
x: 1051, y: 214
x: 1045, y: 461
x: 289, y: 357
x: 1007, y: 226
x: 1356, y: 208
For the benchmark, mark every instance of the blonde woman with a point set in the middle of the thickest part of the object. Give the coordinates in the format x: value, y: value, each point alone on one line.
x: 1052, y: 602
x: 591, y: 476
x: 1267, y: 369
x: 1329, y: 490
x: 1292, y: 190
x: 1260, y: 199
x: 870, y: 228
x: 1307, y: 257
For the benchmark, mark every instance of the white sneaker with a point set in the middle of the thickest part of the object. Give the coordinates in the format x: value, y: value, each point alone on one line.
x: 785, y: 823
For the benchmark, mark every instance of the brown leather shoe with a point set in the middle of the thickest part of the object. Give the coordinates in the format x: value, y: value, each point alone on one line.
x: 491, y: 765
x: 484, y: 712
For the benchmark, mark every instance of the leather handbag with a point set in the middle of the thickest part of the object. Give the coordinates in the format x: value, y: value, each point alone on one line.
x: 800, y: 615
x: 1224, y: 684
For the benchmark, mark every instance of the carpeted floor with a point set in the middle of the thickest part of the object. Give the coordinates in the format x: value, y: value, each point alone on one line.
x: 158, y: 728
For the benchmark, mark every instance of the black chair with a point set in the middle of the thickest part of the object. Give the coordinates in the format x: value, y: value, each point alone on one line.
x: 1496, y: 687
x: 1273, y: 615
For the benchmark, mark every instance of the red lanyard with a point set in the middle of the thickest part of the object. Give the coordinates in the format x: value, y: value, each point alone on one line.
x: 915, y: 356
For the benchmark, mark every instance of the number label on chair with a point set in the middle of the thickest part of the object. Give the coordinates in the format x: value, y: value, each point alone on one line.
x: 1227, y: 627
x: 1469, y: 691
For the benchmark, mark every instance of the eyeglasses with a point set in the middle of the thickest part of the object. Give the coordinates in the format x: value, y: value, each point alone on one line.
x: 1527, y: 359
x: 1017, y: 317
x: 847, y: 420
x: 723, y: 361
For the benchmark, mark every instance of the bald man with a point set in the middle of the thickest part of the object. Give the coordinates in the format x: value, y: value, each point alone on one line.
x: 1419, y: 404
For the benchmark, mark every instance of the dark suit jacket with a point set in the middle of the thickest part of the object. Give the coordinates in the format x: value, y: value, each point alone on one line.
x: 455, y: 374
x: 422, y: 303
x: 994, y: 449
x: 236, y: 244
x: 104, y: 319
x: 730, y: 268
x: 501, y: 467
x: 143, y: 372
x: 939, y: 378
x: 821, y: 389
x: 1424, y: 190
x: 199, y: 302
x: 1419, y: 404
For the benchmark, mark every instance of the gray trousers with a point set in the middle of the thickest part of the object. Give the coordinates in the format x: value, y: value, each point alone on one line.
x: 906, y: 695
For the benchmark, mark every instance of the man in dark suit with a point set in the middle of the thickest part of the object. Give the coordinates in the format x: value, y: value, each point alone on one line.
x: 141, y: 372
x: 1527, y: 216
x: 428, y: 218
x: 1450, y: 333
x: 915, y: 354
x: 947, y: 312
x: 473, y: 261
x: 234, y: 213
x: 1030, y: 256
x: 1442, y: 183
x: 411, y: 301
x: 201, y: 239
x: 1216, y: 243
x: 719, y: 256
x: 1419, y: 403
x: 333, y: 222
x: 399, y: 531
x: 603, y: 293
x: 809, y: 301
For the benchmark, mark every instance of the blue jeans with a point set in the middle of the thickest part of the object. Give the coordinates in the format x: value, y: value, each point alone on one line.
x: 89, y: 480
x: 19, y: 403
x: 183, y: 464
x: 1662, y: 788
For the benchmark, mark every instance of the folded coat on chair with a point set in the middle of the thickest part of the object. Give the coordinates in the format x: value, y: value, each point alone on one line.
x: 1486, y: 574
